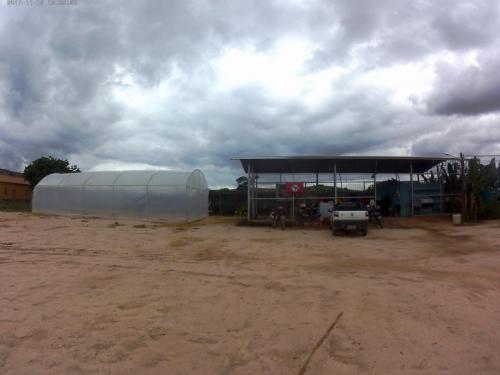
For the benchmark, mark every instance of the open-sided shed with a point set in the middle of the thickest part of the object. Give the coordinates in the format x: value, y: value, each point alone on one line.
x: 330, y: 170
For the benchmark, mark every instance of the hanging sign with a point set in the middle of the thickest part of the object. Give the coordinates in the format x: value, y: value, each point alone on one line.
x: 294, y: 188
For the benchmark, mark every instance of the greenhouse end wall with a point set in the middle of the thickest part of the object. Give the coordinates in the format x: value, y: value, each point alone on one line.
x: 163, y: 195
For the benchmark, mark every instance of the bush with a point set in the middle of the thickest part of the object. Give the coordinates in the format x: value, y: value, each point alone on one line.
x: 242, y: 211
x: 15, y: 206
x: 489, y: 210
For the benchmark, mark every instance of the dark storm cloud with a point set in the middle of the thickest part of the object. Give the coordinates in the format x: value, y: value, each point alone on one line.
x: 54, y: 100
x: 481, y: 138
x: 238, y: 122
x: 10, y: 158
x: 60, y: 68
x: 469, y: 90
x: 393, y: 32
x: 57, y: 63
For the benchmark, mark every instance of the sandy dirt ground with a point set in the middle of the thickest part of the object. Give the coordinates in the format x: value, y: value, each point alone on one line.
x: 83, y: 295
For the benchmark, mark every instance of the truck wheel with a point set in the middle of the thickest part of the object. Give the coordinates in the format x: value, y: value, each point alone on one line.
x: 364, y: 232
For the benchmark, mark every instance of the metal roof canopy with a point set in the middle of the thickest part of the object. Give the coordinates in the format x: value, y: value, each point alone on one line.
x: 344, y: 164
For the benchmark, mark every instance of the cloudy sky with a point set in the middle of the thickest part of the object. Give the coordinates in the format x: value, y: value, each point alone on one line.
x: 185, y: 84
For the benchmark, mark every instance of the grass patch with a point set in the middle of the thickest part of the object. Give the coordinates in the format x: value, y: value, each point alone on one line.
x: 15, y: 206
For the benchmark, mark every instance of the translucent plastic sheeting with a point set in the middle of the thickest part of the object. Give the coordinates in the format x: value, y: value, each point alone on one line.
x: 165, y: 195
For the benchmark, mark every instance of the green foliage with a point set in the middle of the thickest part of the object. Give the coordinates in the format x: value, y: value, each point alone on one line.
x: 452, y: 180
x: 44, y: 166
x: 452, y: 184
x: 489, y: 210
x: 320, y: 190
x: 242, y: 183
x: 482, y: 184
x: 241, y: 211
x: 431, y: 179
x: 15, y: 206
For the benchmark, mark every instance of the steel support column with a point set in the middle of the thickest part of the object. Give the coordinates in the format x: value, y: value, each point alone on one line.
x: 335, y: 184
x: 464, y: 191
x: 293, y: 194
x: 412, y: 212
x: 256, y: 202
x: 440, y: 177
x: 249, y: 208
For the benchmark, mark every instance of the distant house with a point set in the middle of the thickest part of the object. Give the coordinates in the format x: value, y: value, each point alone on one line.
x: 14, y: 187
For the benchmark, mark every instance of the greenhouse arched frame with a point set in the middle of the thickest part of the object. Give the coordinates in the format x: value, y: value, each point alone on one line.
x: 164, y: 195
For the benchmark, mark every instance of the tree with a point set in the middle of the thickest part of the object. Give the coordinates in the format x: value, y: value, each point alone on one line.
x: 482, y: 180
x: 242, y: 182
x: 474, y: 188
x: 452, y: 183
x: 41, y: 167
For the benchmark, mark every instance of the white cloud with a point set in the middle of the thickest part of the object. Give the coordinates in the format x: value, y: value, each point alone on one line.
x: 278, y: 71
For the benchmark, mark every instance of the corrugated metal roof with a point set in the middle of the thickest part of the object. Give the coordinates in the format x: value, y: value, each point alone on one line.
x: 345, y: 164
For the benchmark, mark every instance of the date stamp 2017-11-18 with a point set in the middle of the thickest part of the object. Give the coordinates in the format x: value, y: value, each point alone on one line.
x: 40, y: 2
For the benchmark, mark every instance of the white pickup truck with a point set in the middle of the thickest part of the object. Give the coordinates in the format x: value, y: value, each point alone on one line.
x: 349, y: 216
